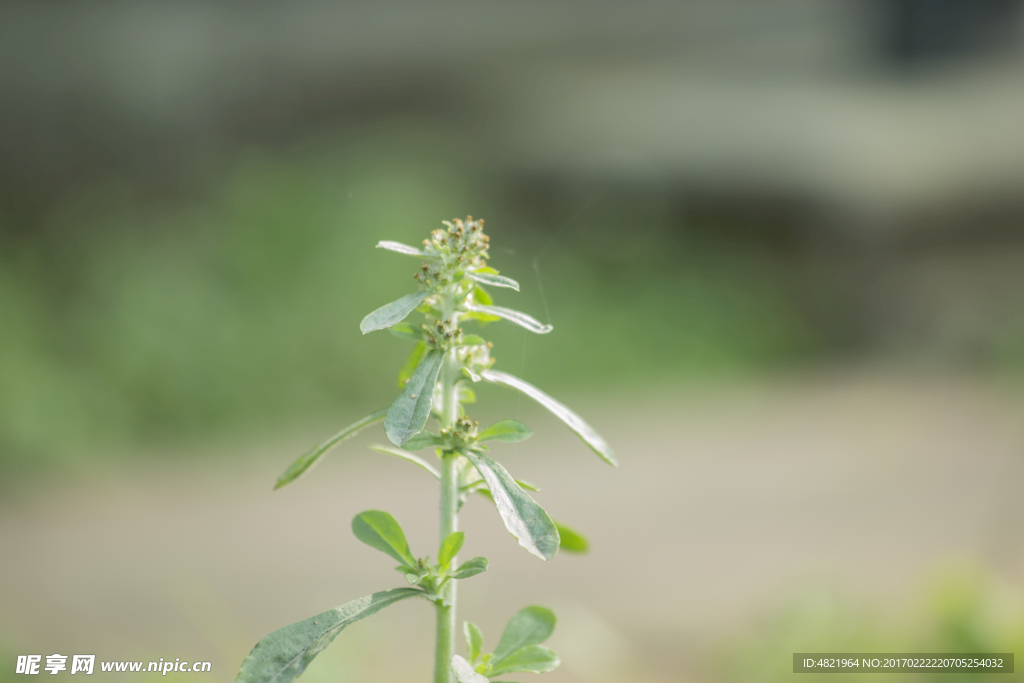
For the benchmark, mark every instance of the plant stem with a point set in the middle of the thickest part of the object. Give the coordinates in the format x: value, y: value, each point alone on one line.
x: 446, y: 618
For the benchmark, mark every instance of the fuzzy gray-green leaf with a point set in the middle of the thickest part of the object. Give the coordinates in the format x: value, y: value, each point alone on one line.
x: 493, y: 279
x: 380, y: 530
x: 450, y: 548
x: 523, y: 517
x: 474, y: 640
x: 285, y: 653
x: 530, y: 626
x: 309, y: 459
x: 394, y: 312
x: 471, y: 567
x: 464, y: 673
x: 410, y: 411
x: 562, y: 412
x: 517, y: 317
x: 533, y: 658
x: 400, y: 248
x: 507, y: 430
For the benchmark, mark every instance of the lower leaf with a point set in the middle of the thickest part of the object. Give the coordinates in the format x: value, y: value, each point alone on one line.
x: 523, y: 517
x: 571, y: 540
x: 286, y: 653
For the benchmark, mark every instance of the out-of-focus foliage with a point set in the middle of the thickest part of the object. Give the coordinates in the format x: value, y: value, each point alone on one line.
x: 128, y: 318
x: 966, y: 610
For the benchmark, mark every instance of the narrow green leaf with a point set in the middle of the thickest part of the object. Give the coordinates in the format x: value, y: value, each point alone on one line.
x: 493, y: 279
x: 480, y: 295
x: 471, y: 340
x: 430, y: 310
x: 406, y: 455
x: 410, y: 411
x: 309, y: 459
x: 517, y: 317
x: 509, y: 431
x: 481, y: 317
x: 572, y: 541
x: 527, y: 486
x: 285, y: 653
x: 450, y: 548
x: 423, y: 440
x: 533, y: 658
x: 571, y: 419
x: 406, y: 331
x: 400, y: 248
x: 472, y: 567
x: 380, y: 530
x: 523, y: 517
x: 394, y: 312
x: 529, y: 626
x: 464, y: 673
x: 474, y: 640
x: 412, y: 362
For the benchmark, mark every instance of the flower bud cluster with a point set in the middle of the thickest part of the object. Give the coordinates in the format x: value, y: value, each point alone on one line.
x: 462, y: 246
x: 462, y: 433
x: 442, y: 335
x: 475, y: 358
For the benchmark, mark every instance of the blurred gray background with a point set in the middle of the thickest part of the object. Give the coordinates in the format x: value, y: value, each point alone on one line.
x: 780, y: 243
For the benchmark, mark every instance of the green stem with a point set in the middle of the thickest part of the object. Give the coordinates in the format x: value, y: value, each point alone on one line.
x: 446, y: 618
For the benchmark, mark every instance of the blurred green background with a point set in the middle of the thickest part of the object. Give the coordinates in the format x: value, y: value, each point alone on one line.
x: 133, y: 318
x: 780, y: 244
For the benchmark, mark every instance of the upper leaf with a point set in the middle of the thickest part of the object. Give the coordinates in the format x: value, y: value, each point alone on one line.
x: 523, y: 517
x: 394, y: 312
x: 450, y: 548
x: 517, y: 317
x: 464, y: 673
x: 309, y: 459
x: 286, y: 653
x: 530, y: 626
x: 534, y: 658
x: 474, y: 640
x: 507, y: 430
x: 400, y: 248
x: 571, y: 419
x: 410, y: 411
x: 493, y: 279
x: 471, y: 567
x: 380, y: 530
